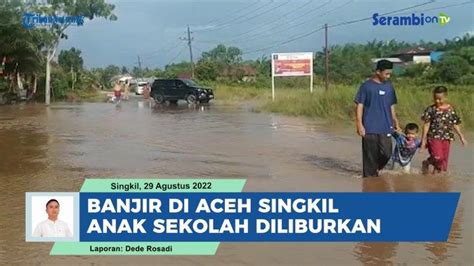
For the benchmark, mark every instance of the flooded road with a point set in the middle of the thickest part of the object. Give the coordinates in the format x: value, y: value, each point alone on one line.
x: 55, y: 148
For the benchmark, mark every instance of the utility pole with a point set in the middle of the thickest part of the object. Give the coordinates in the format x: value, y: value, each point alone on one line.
x: 189, y: 40
x: 73, y: 79
x: 326, y: 55
x: 140, y: 72
x: 139, y: 62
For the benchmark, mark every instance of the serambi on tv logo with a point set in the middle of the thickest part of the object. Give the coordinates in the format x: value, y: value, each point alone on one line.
x: 412, y: 20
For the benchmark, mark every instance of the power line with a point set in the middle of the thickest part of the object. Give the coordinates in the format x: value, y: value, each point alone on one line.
x: 387, y: 13
x: 322, y: 14
x: 213, y: 42
x: 342, y: 23
x: 259, y: 35
x: 266, y: 23
x: 285, y: 42
x: 199, y: 49
x: 157, y: 52
x: 219, y: 25
x: 236, y: 12
x: 265, y: 12
x: 401, y: 10
x: 299, y: 24
x: 175, y: 38
x: 297, y: 36
x: 326, y: 50
x: 300, y: 36
x: 161, y: 52
x: 176, y: 56
x: 446, y: 6
x: 337, y: 25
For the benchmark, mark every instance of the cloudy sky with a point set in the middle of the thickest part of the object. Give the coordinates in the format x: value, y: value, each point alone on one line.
x: 152, y: 29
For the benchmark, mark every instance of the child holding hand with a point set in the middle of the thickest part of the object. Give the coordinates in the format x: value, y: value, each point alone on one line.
x: 441, y: 119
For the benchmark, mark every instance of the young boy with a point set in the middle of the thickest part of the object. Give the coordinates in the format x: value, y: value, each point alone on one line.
x: 117, y: 93
x: 440, y: 121
x: 405, y: 147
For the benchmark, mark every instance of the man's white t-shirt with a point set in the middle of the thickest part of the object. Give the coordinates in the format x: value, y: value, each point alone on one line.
x: 48, y: 228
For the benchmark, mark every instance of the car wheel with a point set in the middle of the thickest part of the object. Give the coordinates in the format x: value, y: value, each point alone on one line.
x: 159, y: 98
x: 191, y: 99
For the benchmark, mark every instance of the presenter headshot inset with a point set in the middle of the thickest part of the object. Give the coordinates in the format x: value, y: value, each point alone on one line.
x: 52, y: 227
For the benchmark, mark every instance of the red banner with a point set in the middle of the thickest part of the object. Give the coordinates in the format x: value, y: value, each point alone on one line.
x: 299, y: 66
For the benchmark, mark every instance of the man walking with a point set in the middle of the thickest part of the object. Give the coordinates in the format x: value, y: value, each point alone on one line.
x: 376, y: 119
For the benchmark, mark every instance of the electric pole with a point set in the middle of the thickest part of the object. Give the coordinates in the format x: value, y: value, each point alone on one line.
x: 139, y: 62
x: 326, y: 55
x: 139, y: 65
x: 189, y: 39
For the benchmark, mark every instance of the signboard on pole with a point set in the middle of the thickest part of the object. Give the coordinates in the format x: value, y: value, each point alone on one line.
x: 290, y: 65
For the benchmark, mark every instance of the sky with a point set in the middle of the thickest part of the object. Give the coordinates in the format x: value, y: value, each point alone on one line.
x: 152, y: 30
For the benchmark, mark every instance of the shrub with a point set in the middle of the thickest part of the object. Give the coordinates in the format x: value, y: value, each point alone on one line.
x: 451, y: 68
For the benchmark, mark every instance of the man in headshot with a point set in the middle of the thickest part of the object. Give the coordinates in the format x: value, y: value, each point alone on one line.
x: 52, y: 227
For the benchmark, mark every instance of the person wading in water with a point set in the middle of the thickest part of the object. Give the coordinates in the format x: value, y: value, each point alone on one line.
x: 376, y: 118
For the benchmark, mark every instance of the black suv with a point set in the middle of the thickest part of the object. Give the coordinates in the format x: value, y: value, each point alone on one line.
x: 173, y: 90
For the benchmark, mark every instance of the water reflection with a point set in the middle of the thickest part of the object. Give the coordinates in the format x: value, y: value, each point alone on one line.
x: 334, y: 164
x: 179, y: 107
x: 22, y: 151
x: 370, y: 253
x: 440, y: 251
x: 23, y: 162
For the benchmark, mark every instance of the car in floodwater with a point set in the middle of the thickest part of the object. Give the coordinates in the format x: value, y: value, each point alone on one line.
x: 139, y: 87
x: 173, y: 90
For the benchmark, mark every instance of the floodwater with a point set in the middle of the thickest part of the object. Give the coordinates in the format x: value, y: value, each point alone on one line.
x: 54, y: 148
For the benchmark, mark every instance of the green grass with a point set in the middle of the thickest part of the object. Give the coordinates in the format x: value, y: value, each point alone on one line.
x: 87, y: 95
x: 337, y: 103
x: 236, y: 94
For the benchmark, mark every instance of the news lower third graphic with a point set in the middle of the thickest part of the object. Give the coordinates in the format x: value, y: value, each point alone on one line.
x: 192, y: 216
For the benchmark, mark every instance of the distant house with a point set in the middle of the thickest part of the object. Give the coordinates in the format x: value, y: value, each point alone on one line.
x: 398, y: 64
x: 135, y: 81
x: 414, y: 55
x: 394, y: 60
x: 436, y: 56
x: 185, y: 75
x: 419, y: 55
x: 125, y: 78
x: 245, y: 73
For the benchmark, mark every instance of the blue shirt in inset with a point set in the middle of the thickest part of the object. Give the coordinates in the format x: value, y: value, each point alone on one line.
x: 377, y: 99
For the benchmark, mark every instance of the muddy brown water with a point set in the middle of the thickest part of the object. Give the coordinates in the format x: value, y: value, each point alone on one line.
x: 54, y: 148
